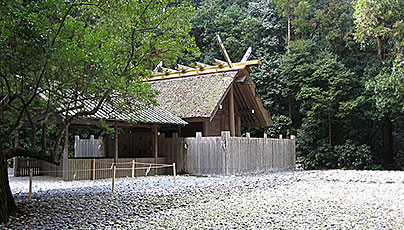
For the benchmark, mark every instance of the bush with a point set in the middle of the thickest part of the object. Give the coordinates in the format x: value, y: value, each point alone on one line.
x: 319, y: 156
x: 282, y: 126
x: 346, y: 156
x: 352, y: 156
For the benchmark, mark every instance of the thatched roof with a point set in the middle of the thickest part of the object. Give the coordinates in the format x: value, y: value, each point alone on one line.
x: 196, y: 96
x: 197, y: 92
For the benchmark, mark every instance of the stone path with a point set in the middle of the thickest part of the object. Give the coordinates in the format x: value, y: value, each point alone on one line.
x: 286, y: 200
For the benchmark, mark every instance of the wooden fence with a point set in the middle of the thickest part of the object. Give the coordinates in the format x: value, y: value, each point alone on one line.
x: 22, y: 166
x: 227, y: 155
x: 88, y: 147
x: 83, y: 168
x: 224, y: 155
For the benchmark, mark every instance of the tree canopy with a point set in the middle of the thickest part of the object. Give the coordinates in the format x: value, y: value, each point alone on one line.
x: 332, y: 72
x: 55, y: 54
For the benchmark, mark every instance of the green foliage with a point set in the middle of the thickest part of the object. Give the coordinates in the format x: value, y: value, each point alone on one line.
x: 388, y: 86
x: 282, y: 126
x: 300, y: 15
x: 352, y: 156
x: 240, y: 24
x: 317, y: 156
x: 333, y: 88
x: 381, y: 19
x: 55, y: 54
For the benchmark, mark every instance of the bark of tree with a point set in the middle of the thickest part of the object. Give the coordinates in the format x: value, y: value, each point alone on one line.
x: 380, y: 44
x: 387, y: 142
x: 290, y: 107
x: 7, y: 204
x: 387, y: 125
x: 289, y: 15
x: 329, y: 130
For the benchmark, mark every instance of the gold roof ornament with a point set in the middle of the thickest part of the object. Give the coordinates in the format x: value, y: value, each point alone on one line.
x: 218, y: 66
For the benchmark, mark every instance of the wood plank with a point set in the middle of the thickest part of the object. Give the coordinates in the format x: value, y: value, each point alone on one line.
x: 224, y: 52
x: 232, y: 124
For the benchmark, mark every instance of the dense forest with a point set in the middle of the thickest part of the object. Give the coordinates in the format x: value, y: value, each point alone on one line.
x: 332, y: 73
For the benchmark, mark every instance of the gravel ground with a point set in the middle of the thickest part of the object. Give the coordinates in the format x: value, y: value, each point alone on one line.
x: 285, y: 200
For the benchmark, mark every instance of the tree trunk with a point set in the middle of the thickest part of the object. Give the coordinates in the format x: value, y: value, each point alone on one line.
x: 380, y: 53
x: 329, y: 130
x: 7, y: 204
x: 290, y: 107
x: 387, y: 142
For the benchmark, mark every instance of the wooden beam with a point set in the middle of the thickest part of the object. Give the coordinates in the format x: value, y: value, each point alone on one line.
x: 224, y: 52
x: 222, y: 122
x: 202, y: 70
x: 184, y: 68
x: 155, y: 146
x: 202, y: 65
x: 247, y: 54
x: 238, y: 126
x: 168, y: 70
x: 196, y: 119
x: 219, y: 63
x: 231, y: 112
x: 205, y: 128
x: 156, y: 69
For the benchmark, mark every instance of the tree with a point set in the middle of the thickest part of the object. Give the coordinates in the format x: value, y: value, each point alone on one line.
x: 242, y: 24
x: 322, y: 86
x: 299, y: 15
x: 382, y: 21
x: 54, y: 54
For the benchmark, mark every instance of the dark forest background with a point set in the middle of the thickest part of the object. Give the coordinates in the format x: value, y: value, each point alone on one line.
x: 332, y: 73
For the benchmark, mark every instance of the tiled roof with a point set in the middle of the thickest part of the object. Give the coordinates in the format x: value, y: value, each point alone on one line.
x: 191, y: 97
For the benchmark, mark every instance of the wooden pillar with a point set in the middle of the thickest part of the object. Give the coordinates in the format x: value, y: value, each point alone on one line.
x: 66, y: 155
x: 155, y: 145
x: 179, y: 131
x: 232, y: 125
x: 116, y: 143
x: 238, y: 126
x: 205, y: 128
x: 223, y: 122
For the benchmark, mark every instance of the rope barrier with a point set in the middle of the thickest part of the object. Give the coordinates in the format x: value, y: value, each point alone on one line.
x: 112, y: 162
x: 113, y: 168
x: 128, y: 162
x: 75, y: 170
x: 157, y: 166
x: 153, y: 167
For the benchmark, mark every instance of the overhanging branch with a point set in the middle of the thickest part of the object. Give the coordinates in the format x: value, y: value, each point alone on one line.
x: 32, y: 153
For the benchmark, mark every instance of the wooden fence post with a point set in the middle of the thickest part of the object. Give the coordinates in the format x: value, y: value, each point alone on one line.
x: 136, y: 169
x: 175, y: 175
x: 113, y: 178
x: 94, y: 169
x: 31, y: 174
x: 133, y: 171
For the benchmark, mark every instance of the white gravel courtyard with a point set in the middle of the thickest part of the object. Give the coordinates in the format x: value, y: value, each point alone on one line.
x: 332, y: 199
